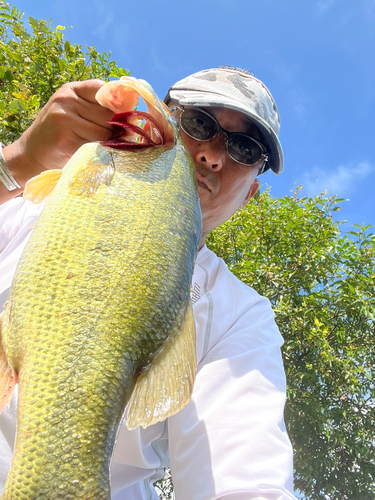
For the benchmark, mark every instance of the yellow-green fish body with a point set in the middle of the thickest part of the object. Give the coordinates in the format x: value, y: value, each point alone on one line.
x: 100, y: 296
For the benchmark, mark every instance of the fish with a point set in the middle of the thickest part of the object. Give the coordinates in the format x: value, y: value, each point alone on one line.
x: 99, y: 317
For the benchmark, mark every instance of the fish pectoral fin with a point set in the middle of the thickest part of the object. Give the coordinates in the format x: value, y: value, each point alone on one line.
x: 8, y: 377
x: 41, y: 186
x: 166, y: 386
x: 93, y: 173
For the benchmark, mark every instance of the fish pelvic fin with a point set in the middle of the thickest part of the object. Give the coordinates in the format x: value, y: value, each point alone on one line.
x: 8, y: 377
x: 97, y: 170
x: 166, y: 386
x: 41, y: 186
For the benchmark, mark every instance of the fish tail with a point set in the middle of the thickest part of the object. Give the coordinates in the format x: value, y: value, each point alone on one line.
x: 8, y: 377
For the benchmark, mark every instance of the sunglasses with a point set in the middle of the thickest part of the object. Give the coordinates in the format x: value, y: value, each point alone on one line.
x: 242, y: 148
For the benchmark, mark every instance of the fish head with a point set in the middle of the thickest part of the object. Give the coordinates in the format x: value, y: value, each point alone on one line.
x: 134, y: 128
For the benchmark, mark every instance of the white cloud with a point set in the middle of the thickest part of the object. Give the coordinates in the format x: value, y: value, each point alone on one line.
x: 102, y: 28
x: 107, y: 19
x: 158, y: 64
x: 341, y: 181
x: 285, y: 73
x: 299, y: 101
x: 324, y: 5
x: 348, y: 18
x: 112, y: 28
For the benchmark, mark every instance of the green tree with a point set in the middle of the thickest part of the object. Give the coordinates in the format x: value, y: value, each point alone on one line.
x: 35, y: 60
x: 321, y: 283
x: 164, y: 487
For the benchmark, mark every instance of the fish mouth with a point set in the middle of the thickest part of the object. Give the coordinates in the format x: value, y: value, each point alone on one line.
x: 134, y: 129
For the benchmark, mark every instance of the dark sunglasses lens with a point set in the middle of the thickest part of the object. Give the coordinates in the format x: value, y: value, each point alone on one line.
x: 198, y: 125
x: 243, y: 149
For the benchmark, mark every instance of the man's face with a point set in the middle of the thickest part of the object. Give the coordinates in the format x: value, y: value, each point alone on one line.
x: 224, y: 185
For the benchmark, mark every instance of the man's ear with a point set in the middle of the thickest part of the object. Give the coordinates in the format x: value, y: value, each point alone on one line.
x: 253, y: 189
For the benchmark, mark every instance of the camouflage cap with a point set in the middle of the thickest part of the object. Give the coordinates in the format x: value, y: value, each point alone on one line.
x: 234, y: 89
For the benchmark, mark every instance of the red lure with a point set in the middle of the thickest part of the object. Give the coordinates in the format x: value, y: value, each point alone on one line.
x: 122, y: 126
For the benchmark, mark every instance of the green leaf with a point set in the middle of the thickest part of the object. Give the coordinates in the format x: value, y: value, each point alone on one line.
x: 17, y: 57
x: 16, y: 105
x: 33, y: 22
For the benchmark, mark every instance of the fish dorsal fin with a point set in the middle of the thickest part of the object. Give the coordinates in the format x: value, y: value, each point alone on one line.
x: 41, y: 186
x: 99, y: 169
x: 8, y: 377
x: 166, y: 386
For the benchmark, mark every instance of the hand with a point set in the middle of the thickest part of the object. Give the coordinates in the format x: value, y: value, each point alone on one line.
x: 71, y: 118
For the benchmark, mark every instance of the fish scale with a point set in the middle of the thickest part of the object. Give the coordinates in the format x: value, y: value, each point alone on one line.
x: 103, y: 285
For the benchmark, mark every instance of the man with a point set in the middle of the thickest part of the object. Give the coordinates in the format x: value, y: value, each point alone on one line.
x: 230, y: 440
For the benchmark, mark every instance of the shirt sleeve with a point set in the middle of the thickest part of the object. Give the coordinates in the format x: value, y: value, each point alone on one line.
x: 8, y: 221
x: 17, y: 218
x: 230, y: 441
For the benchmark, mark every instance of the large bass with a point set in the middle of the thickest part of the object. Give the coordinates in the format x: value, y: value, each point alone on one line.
x: 99, y: 312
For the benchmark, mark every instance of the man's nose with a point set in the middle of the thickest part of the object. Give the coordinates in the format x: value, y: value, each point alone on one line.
x: 212, y: 154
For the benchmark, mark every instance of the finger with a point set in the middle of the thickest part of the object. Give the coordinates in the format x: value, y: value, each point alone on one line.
x: 90, y: 131
x: 82, y: 96
x: 81, y: 133
x: 86, y: 90
x: 94, y: 113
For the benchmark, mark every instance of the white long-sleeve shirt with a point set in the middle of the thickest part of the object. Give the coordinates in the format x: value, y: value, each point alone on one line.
x: 229, y: 442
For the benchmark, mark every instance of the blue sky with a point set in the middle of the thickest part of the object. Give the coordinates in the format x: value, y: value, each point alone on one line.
x: 316, y: 57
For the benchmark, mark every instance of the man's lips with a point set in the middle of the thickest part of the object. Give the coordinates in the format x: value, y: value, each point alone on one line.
x: 202, y: 184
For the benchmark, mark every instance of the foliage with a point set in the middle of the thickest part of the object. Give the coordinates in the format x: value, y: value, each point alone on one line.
x: 164, y: 487
x: 321, y: 283
x: 35, y: 61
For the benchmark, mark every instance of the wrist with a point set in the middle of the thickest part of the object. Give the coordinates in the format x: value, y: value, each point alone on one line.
x: 19, y: 164
x: 7, y: 179
x: 5, y: 194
